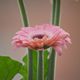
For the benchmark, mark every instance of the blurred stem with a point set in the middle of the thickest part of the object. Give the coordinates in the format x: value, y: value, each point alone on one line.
x: 53, y: 10
x: 30, y: 75
x: 57, y: 13
x: 40, y: 72
x: 23, y: 13
x: 55, y: 21
x: 51, y: 67
x: 25, y: 23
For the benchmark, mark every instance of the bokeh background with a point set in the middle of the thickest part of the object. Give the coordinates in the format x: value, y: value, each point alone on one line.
x: 39, y: 12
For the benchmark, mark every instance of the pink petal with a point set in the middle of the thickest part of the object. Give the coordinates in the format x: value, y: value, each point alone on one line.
x: 58, y: 50
x: 53, y: 36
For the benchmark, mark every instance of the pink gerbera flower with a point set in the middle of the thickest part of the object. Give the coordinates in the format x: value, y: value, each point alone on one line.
x: 42, y: 37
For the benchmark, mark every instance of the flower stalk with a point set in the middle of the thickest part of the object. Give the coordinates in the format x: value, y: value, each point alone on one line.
x: 55, y: 21
x: 40, y: 40
x: 40, y: 73
x: 51, y: 66
x: 24, y: 20
x: 30, y: 67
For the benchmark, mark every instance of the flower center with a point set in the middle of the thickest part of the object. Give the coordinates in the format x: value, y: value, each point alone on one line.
x: 39, y: 36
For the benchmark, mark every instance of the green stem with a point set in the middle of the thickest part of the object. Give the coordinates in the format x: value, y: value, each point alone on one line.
x: 23, y: 13
x: 25, y: 23
x: 55, y: 20
x: 40, y: 67
x: 51, y: 66
x: 30, y: 67
x: 57, y: 13
x: 53, y: 10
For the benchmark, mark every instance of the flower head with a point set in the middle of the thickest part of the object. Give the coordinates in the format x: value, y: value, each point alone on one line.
x: 42, y: 37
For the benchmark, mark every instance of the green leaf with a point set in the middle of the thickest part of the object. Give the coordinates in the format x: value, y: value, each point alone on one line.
x: 8, y: 68
x: 24, y: 68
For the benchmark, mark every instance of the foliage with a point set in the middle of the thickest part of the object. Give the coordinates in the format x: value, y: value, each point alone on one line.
x: 9, y: 67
